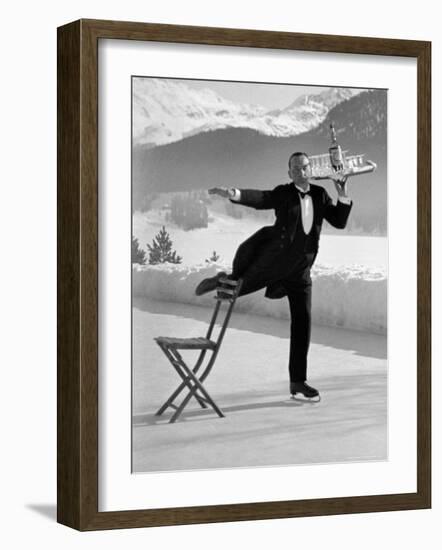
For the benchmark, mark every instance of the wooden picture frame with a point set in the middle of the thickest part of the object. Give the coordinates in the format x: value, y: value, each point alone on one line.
x: 77, y: 224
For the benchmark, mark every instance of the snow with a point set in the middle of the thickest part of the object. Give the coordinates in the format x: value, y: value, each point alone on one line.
x: 347, y: 297
x: 224, y: 234
x: 249, y: 382
x: 349, y: 276
x: 167, y: 110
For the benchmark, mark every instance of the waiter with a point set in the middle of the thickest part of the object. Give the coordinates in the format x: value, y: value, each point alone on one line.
x: 280, y: 257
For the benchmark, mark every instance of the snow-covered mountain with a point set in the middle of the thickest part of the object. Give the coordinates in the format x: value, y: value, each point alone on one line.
x: 165, y: 111
x: 244, y: 158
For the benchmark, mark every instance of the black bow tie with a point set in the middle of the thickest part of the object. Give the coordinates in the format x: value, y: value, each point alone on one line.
x: 302, y: 194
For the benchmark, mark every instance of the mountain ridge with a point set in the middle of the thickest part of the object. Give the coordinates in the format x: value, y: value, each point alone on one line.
x: 166, y: 111
x: 244, y: 158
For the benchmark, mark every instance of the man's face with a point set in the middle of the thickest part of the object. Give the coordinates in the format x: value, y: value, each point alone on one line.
x: 300, y: 170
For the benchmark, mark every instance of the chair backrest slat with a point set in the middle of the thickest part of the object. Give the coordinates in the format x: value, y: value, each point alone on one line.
x: 230, y: 282
x: 224, y: 291
x: 224, y: 294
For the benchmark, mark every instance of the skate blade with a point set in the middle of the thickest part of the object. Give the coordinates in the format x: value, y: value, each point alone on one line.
x: 303, y: 399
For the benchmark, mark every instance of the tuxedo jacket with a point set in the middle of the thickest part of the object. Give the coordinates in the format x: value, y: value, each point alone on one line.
x: 267, y: 256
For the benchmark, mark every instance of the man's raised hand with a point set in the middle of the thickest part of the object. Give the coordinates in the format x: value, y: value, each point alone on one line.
x: 221, y: 191
x: 340, y: 182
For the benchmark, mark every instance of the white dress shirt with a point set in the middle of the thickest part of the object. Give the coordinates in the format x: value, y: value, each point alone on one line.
x: 306, y: 209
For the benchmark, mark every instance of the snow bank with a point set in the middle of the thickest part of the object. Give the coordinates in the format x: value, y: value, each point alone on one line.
x: 349, y: 297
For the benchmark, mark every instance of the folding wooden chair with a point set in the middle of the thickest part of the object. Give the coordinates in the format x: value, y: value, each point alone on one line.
x: 193, y: 378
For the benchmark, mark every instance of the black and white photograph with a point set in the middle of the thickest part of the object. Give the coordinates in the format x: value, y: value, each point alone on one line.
x: 221, y: 275
x: 259, y: 274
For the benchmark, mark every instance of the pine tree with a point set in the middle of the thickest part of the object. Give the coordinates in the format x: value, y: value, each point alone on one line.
x: 160, y: 251
x: 214, y: 258
x: 138, y: 254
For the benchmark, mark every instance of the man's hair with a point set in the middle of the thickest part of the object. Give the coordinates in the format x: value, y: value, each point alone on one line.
x: 297, y: 154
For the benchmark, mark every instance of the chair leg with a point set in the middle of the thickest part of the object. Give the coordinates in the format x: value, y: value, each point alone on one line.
x: 175, y: 394
x: 172, y: 398
x: 177, y: 362
x: 189, y: 380
x: 197, y: 385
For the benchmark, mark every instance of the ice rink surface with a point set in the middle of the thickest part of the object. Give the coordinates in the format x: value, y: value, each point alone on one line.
x: 249, y: 382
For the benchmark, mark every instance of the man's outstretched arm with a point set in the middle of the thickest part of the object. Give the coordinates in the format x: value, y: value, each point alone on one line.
x: 255, y: 198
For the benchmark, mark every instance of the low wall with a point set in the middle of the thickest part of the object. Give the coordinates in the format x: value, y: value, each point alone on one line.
x: 348, y: 297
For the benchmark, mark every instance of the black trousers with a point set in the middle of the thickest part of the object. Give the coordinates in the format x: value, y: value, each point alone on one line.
x: 300, y: 302
x: 294, y: 276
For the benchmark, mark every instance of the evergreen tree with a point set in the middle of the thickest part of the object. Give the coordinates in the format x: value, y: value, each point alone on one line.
x: 138, y: 254
x: 160, y: 251
x: 214, y: 258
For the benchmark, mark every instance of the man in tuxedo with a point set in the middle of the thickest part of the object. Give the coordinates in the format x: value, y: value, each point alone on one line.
x: 279, y: 257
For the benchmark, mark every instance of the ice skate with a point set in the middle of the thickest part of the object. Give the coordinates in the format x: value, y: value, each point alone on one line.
x: 306, y: 391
